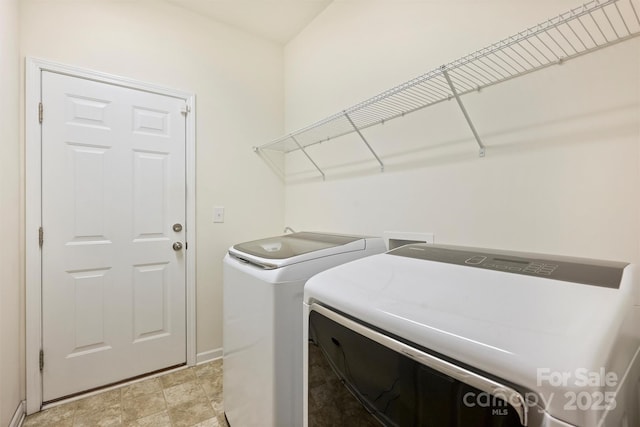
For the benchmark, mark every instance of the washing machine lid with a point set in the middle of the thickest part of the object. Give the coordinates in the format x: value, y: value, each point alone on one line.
x: 279, y: 251
x: 522, y: 326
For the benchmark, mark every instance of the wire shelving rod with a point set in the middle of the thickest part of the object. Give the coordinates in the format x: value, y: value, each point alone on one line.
x: 579, y: 31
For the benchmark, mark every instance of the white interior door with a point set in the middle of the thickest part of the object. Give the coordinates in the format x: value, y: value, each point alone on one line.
x: 113, y: 186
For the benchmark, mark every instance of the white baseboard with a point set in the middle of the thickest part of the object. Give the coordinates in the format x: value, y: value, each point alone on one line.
x: 18, y: 417
x: 208, y: 356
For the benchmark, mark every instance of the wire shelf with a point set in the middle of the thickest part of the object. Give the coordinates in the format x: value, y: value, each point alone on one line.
x: 592, y: 26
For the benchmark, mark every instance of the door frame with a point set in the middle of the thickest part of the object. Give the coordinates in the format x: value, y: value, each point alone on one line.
x: 33, y: 210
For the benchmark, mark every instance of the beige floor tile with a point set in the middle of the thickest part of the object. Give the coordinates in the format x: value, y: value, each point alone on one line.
x: 211, y: 422
x: 191, y: 413
x: 141, y: 388
x: 208, y: 369
x: 161, y: 419
x: 178, y: 377
x: 183, y: 393
x: 57, y: 416
x: 190, y: 397
x: 99, y: 401
x: 215, y: 396
x: 218, y: 406
x: 212, y: 386
x: 105, y: 417
x: 142, y: 406
x: 222, y: 421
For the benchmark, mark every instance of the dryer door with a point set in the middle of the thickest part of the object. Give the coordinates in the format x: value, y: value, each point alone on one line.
x: 391, y: 383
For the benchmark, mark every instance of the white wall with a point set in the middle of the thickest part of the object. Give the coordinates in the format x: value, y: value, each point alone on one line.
x: 238, y: 84
x: 561, y: 173
x: 11, y: 372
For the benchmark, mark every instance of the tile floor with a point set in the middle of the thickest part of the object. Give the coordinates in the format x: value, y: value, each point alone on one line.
x: 185, y: 398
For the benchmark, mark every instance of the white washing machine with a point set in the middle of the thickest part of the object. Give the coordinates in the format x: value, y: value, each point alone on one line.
x: 263, y: 288
x: 429, y: 335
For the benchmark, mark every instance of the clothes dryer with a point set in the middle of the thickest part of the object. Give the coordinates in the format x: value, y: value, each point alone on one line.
x: 437, y: 336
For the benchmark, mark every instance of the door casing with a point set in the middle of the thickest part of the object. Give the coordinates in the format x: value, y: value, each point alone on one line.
x: 33, y: 191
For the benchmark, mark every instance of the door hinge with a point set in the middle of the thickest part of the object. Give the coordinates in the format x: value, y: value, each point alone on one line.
x: 186, y: 109
x: 40, y: 112
x: 40, y: 236
x: 41, y: 361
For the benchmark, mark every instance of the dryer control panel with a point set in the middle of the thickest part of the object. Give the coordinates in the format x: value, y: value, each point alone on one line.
x: 577, y: 270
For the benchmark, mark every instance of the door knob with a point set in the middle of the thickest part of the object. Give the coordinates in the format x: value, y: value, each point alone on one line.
x: 177, y: 246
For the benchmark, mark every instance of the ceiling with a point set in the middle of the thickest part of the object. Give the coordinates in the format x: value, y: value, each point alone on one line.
x: 276, y: 20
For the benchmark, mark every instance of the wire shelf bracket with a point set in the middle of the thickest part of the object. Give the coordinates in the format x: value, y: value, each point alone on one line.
x: 355, y: 128
x: 595, y: 25
x: 293, y: 138
x: 464, y: 110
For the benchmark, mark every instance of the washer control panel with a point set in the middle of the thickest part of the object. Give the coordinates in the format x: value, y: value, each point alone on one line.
x: 577, y: 270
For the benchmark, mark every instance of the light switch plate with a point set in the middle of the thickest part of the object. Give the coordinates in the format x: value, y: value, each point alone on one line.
x: 218, y: 214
